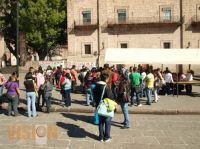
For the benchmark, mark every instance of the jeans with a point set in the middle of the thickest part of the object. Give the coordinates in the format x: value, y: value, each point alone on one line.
x: 114, y: 91
x: 31, y: 97
x: 67, y: 97
x: 155, y: 92
x: 167, y: 89
x: 40, y: 93
x: 48, y: 101
x: 89, y: 97
x: 13, y: 101
x: 104, y: 133
x: 124, y: 107
x: 1, y: 91
x: 73, y: 86
x: 149, y: 94
x: 143, y: 93
x: 188, y: 88
x: 133, y: 91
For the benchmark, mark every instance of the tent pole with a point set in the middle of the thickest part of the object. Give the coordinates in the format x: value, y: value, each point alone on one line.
x: 177, y: 80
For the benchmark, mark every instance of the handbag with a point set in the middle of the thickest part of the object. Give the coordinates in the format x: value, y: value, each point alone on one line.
x: 96, y: 118
x: 36, y: 92
x: 138, y: 89
x: 102, y: 108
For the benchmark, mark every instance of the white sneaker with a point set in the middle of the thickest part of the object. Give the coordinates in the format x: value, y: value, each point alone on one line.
x: 158, y: 97
x: 108, y: 140
x: 140, y: 105
x: 156, y: 100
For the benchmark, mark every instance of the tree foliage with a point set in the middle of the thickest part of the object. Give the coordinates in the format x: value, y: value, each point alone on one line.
x: 8, y: 23
x: 43, y: 22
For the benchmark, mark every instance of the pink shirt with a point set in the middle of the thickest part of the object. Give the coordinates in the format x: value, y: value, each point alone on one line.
x: 40, y: 79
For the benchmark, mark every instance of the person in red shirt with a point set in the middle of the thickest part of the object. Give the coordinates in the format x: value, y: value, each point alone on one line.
x: 74, y: 78
x: 114, y: 82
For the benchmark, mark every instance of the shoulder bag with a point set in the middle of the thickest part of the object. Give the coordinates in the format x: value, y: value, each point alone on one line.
x: 102, y: 108
x: 36, y: 92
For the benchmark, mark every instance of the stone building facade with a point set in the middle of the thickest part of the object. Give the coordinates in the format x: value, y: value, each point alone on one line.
x: 94, y: 25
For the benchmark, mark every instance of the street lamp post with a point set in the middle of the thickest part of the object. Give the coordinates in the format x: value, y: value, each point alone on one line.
x: 98, y: 35
x: 17, y: 39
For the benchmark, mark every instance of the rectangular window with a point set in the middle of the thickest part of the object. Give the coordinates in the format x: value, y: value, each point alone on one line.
x: 124, y: 45
x: 88, y: 49
x: 166, y: 14
x: 166, y: 45
x: 121, y: 15
x: 86, y: 17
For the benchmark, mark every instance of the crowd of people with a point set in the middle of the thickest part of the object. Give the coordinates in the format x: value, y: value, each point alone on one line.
x: 124, y: 86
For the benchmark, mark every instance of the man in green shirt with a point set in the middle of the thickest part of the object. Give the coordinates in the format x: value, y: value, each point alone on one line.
x: 135, y: 81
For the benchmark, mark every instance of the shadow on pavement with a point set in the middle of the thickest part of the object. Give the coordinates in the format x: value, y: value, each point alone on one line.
x: 195, y: 94
x: 76, y: 131
x: 76, y: 117
x: 80, y: 102
x: 3, y: 111
x: 116, y: 124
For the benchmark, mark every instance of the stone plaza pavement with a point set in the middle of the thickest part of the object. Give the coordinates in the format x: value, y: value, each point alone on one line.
x: 76, y: 131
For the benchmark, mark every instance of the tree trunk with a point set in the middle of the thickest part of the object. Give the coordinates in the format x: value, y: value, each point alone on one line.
x: 42, y: 55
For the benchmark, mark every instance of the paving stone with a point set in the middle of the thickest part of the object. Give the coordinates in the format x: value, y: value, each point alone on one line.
x: 136, y: 146
x: 77, y: 131
x: 81, y: 144
x: 170, y: 140
x: 192, y: 140
x: 157, y: 133
x: 145, y: 140
x: 161, y: 146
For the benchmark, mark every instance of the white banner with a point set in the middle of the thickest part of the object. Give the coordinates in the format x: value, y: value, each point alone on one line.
x: 80, y: 64
x: 45, y: 64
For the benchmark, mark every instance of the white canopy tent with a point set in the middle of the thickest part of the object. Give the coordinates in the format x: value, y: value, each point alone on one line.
x: 152, y: 56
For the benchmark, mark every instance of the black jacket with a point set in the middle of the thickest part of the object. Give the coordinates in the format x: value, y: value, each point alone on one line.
x: 98, y: 92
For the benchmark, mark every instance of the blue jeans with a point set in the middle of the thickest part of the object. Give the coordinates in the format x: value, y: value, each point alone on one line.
x: 31, y: 97
x: 143, y: 93
x: 67, y: 97
x: 133, y: 92
x: 104, y: 133
x: 1, y: 91
x: 124, y: 107
x: 89, y: 97
x: 47, y: 98
x: 167, y: 89
x: 149, y: 95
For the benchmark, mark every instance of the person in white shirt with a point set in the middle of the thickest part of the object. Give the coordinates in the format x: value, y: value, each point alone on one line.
x: 168, y: 81
x: 189, y: 77
x: 143, y: 75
